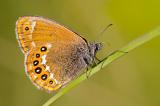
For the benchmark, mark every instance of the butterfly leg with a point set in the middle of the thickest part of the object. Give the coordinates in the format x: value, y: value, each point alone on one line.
x: 97, y: 59
x: 87, y: 75
x: 87, y: 60
x: 88, y: 72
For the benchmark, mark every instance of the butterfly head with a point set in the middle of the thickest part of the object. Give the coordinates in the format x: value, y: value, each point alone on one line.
x: 94, y: 48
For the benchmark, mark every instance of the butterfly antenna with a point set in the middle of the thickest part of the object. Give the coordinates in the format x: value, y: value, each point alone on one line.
x: 105, y: 29
x: 102, y: 32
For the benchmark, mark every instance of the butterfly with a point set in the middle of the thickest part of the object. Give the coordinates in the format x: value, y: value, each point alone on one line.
x: 54, y: 55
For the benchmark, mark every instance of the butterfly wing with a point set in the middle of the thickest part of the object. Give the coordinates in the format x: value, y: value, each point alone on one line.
x: 34, y: 30
x: 53, y: 53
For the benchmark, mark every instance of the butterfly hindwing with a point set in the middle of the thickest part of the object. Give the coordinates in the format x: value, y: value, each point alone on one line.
x: 38, y: 70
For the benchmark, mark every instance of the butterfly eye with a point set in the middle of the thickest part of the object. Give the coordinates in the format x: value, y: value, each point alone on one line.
x: 26, y: 28
x: 96, y: 48
x: 43, y: 49
x: 44, y: 77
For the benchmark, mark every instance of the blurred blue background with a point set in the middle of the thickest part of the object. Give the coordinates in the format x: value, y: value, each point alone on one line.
x: 133, y: 80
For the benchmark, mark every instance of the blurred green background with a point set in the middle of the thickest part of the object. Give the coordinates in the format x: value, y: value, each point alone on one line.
x: 133, y: 80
